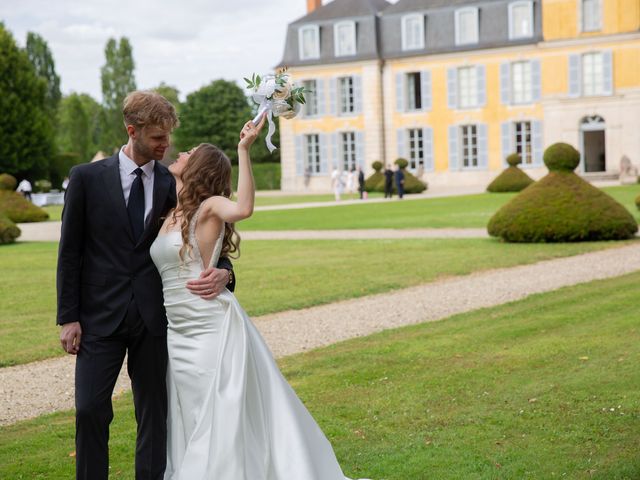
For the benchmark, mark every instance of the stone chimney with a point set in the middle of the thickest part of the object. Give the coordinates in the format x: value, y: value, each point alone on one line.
x: 313, y: 5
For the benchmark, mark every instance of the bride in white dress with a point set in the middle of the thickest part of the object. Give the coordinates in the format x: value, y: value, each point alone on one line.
x: 232, y: 415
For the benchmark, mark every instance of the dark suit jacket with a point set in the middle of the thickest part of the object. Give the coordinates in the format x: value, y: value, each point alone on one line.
x: 100, y: 267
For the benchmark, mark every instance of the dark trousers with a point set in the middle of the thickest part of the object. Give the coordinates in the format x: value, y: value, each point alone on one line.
x: 400, y: 188
x: 388, y: 190
x: 97, y: 366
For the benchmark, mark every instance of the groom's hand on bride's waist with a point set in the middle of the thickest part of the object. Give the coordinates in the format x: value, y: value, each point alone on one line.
x: 70, y: 335
x: 211, y: 283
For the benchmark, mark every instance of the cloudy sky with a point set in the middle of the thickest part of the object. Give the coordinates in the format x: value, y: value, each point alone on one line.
x: 185, y: 43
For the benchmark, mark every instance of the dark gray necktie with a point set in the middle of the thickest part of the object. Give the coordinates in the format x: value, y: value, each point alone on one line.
x: 136, y: 205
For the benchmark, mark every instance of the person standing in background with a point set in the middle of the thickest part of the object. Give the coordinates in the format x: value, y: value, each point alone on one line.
x: 388, y: 182
x: 399, y: 175
x: 361, y: 182
x: 25, y: 188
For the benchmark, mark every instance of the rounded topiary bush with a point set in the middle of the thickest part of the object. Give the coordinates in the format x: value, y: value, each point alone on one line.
x: 402, y: 163
x: 19, y: 209
x: 376, y: 177
x: 42, y: 186
x: 562, y: 207
x: 9, y: 231
x: 411, y: 184
x: 512, y: 179
x: 8, y: 182
x: 561, y: 157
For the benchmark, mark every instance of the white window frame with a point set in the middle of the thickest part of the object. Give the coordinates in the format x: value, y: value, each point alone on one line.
x: 336, y: 38
x: 316, y: 34
x: 597, y: 81
x: 520, y: 146
x: 309, y: 161
x: 527, y: 83
x: 469, y: 150
x: 348, y: 156
x: 346, y: 99
x: 408, y: 90
x: 581, y: 16
x: 311, y: 98
x: 405, y: 33
x: 458, y: 14
x: 415, y: 144
x: 473, y: 87
x: 512, y: 26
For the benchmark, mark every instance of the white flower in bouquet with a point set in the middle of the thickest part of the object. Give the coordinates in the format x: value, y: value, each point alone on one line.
x: 277, y: 96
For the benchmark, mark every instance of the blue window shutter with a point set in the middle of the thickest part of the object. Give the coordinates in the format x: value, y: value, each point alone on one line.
x: 319, y: 93
x: 324, y: 153
x: 402, y: 143
x: 536, y: 81
x: 400, y: 92
x: 536, y: 137
x: 334, y: 148
x: 482, y: 90
x: 505, y: 83
x: 333, y: 95
x: 299, y: 155
x: 425, y: 89
x: 507, y: 141
x: 357, y: 93
x: 607, y: 71
x: 427, y: 142
x: 575, y: 76
x: 483, y: 148
x: 360, y: 149
x: 453, y: 148
x: 452, y: 88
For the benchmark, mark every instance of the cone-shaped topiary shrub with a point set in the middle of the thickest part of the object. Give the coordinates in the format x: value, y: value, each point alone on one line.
x: 562, y: 207
x: 638, y: 202
x: 8, y: 182
x: 376, y: 177
x: 18, y: 209
x: 9, y: 231
x: 411, y: 184
x: 512, y: 179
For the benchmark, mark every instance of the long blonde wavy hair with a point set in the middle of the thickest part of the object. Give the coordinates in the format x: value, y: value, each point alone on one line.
x: 207, y: 173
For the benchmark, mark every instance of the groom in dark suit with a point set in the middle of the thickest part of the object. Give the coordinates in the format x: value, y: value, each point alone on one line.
x: 110, y: 293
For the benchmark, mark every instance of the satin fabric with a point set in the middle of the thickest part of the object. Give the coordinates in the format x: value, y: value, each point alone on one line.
x: 232, y: 415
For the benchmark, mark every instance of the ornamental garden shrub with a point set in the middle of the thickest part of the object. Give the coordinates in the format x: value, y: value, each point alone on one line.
x: 376, y: 177
x: 411, y: 182
x: 8, y: 182
x: 42, y: 186
x: 20, y: 210
x: 9, y: 231
x: 638, y: 202
x: 562, y: 207
x: 512, y: 179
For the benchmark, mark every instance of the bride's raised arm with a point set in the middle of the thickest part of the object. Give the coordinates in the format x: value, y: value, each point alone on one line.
x: 228, y: 210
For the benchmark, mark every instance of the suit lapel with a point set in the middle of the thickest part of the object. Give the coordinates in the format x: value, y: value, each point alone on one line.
x: 161, y: 185
x: 113, y: 185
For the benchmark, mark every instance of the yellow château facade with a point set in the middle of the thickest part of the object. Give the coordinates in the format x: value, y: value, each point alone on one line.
x: 454, y: 87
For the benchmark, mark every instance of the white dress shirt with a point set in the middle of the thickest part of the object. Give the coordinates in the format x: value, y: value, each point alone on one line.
x: 127, y: 167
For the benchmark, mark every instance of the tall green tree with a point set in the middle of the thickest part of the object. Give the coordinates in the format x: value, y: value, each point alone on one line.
x: 215, y: 114
x: 170, y: 93
x: 26, y: 135
x: 42, y: 60
x: 74, y: 134
x: 117, y: 75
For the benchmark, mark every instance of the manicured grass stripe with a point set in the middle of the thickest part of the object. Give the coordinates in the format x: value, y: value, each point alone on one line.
x: 272, y: 276
x: 547, y: 387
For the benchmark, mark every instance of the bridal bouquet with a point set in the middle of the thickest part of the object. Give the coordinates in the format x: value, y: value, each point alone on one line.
x: 276, y: 95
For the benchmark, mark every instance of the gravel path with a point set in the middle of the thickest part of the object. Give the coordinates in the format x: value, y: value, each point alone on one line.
x: 50, y: 232
x: 41, y: 387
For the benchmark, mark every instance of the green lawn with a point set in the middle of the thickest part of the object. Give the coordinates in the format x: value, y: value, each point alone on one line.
x: 469, y: 211
x: 543, y: 388
x: 272, y: 276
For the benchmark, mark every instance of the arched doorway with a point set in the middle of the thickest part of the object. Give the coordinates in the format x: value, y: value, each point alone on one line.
x: 592, y: 144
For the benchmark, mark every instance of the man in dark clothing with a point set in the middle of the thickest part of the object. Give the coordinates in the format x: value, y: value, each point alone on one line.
x: 399, y: 174
x: 361, y: 182
x: 388, y: 182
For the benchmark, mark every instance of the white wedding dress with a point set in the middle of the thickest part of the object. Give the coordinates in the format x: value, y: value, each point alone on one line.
x: 232, y: 415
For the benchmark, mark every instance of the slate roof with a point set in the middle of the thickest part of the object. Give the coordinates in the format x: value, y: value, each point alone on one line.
x: 343, y: 9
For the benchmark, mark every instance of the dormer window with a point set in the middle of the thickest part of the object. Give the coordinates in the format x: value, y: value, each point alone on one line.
x: 520, y: 20
x: 413, y: 32
x: 591, y: 15
x: 467, y: 28
x: 309, y: 42
x: 345, y: 38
